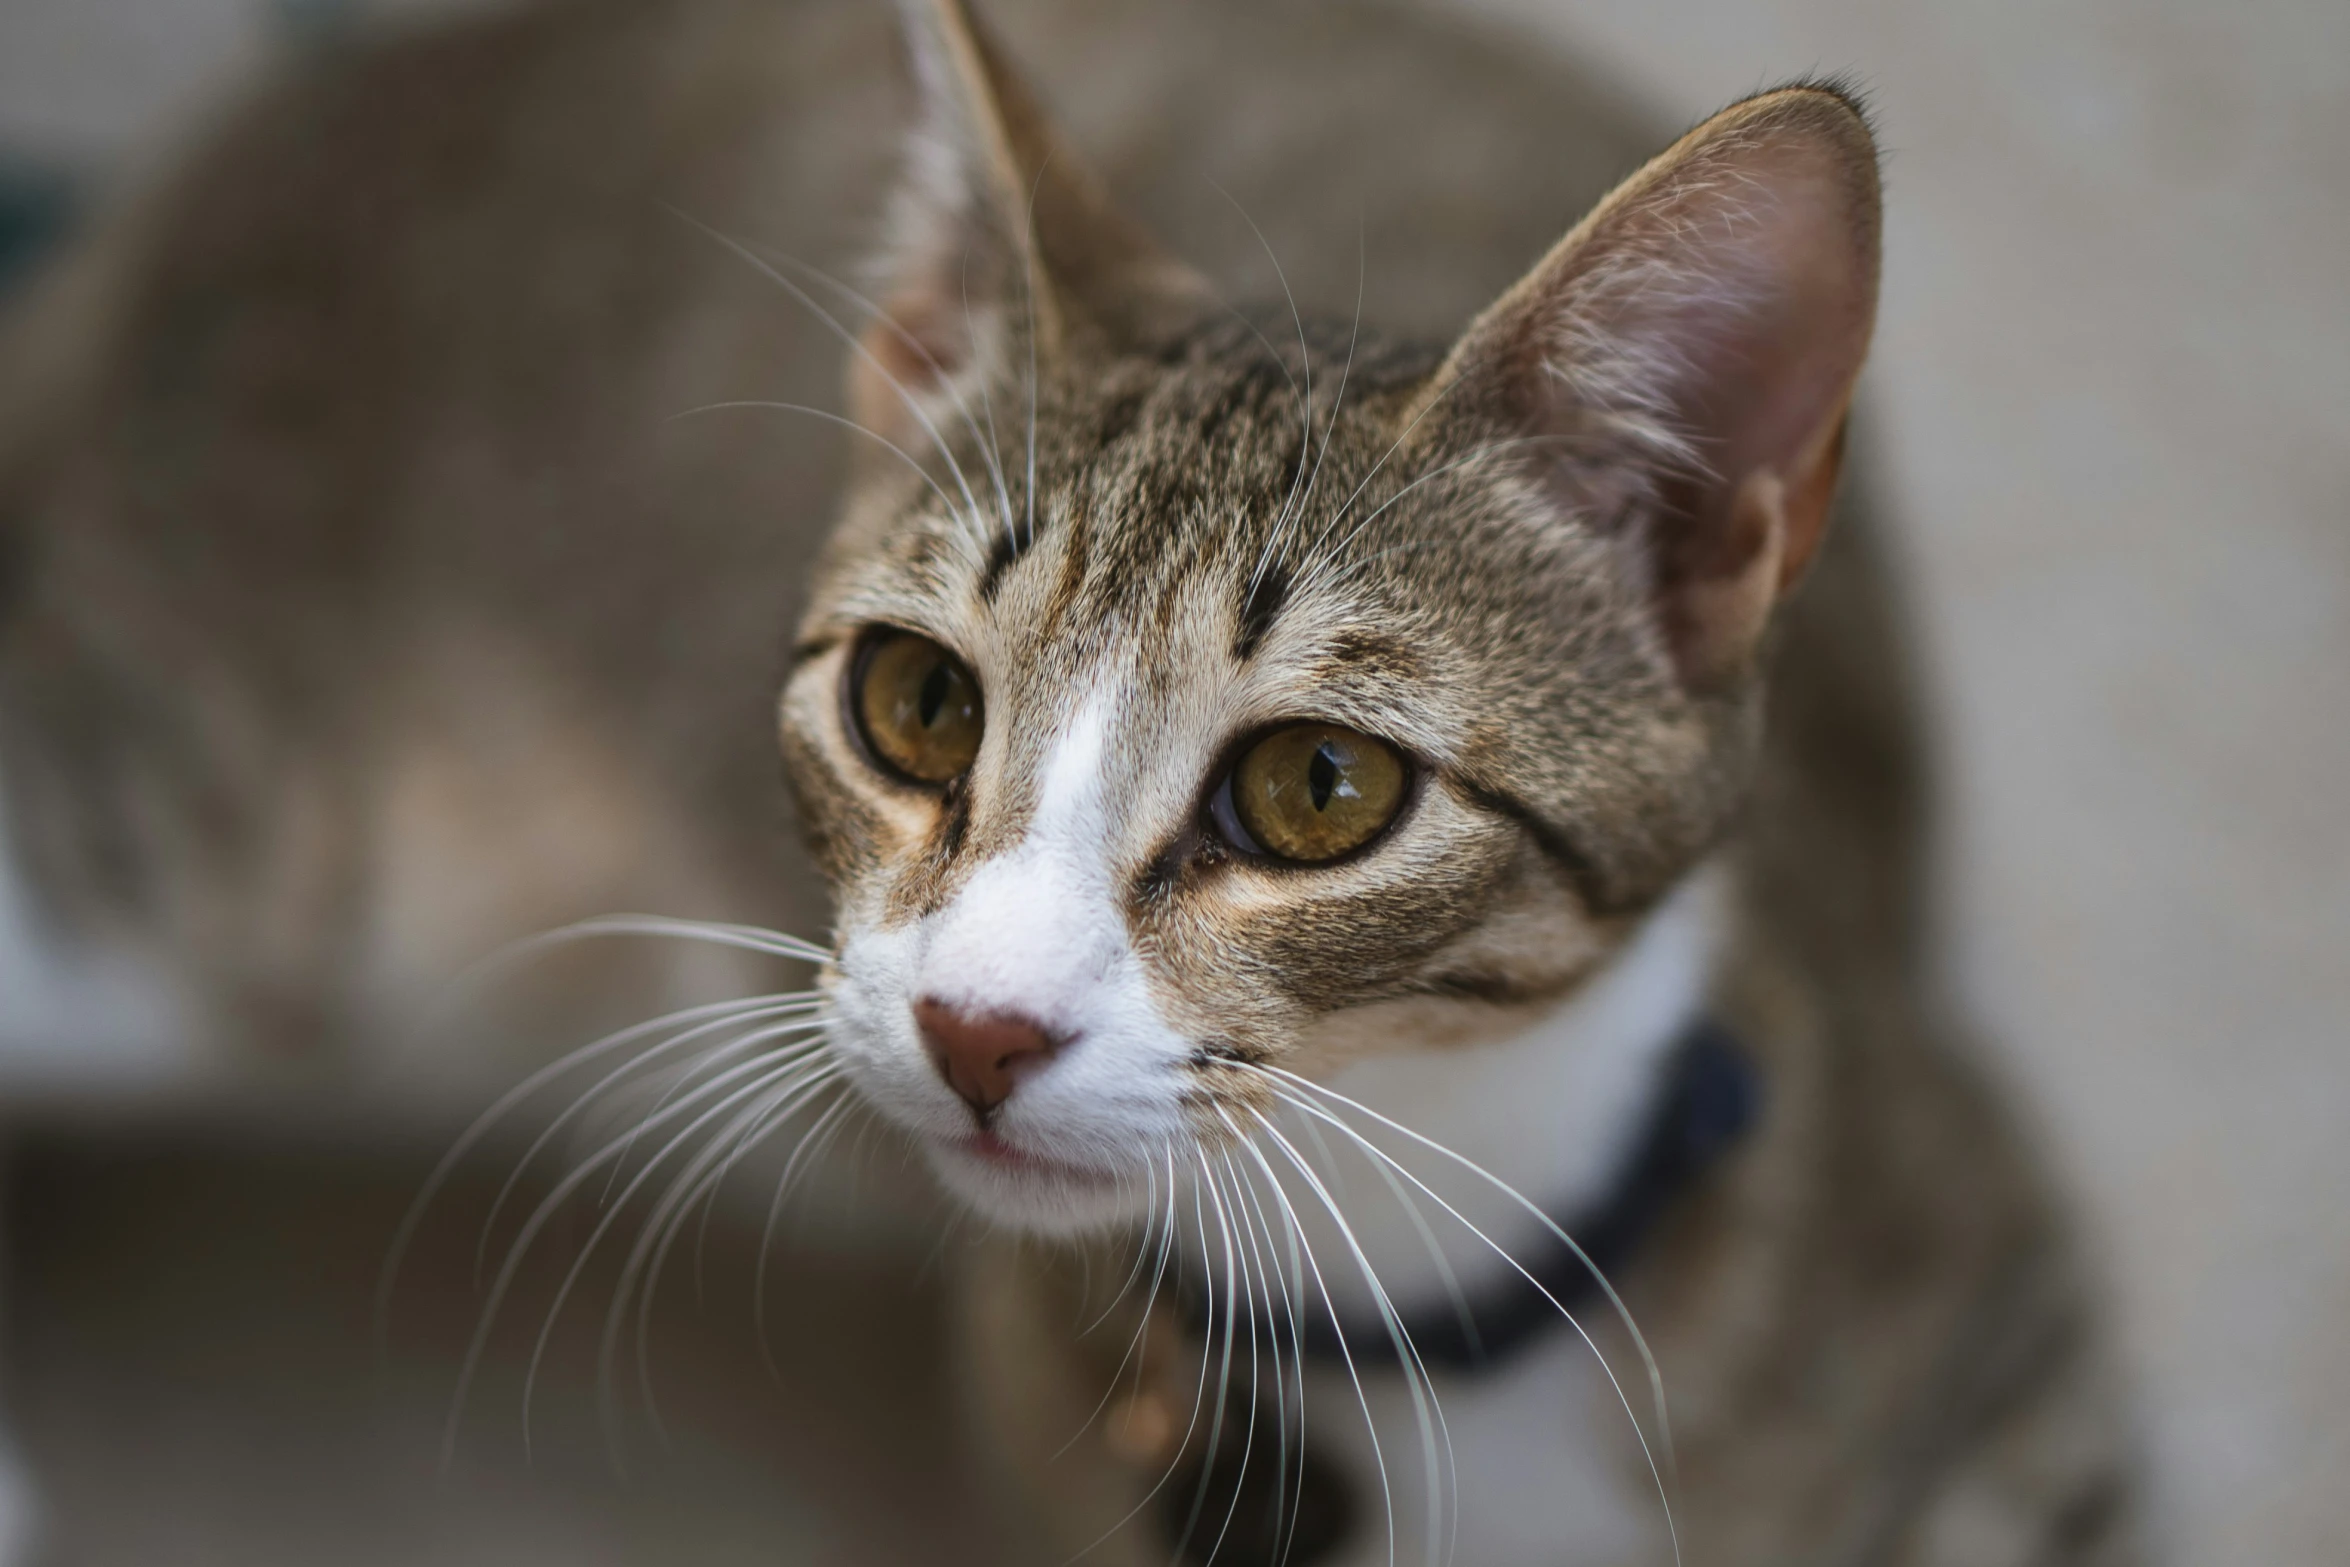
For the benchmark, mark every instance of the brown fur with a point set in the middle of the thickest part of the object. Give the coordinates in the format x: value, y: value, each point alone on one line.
x: 354, y: 441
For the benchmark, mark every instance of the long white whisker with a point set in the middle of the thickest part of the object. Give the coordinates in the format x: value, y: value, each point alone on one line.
x: 1142, y: 1251
x: 994, y: 444
x: 1134, y: 1340
x: 506, y: 1103
x: 1028, y: 287
x: 751, y: 1141
x: 1305, y: 409
x: 1257, y: 1341
x: 660, y: 1226
x: 1393, y: 447
x: 1428, y: 1413
x: 985, y: 441
x: 1279, y: 534
x: 1381, y: 1156
x: 539, y: 1219
x: 813, y: 1020
x: 1200, y: 1392
x: 855, y: 345
x: 764, y: 1120
x: 1345, y: 1355
x: 1290, y: 1283
x: 1623, y: 1313
x: 777, y: 405
x: 816, y: 1138
x: 1324, y: 559
x: 726, y: 1103
x: 1231, y: 1283
x: 633, y: 1066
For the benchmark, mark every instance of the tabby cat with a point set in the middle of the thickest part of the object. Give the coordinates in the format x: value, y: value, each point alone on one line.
x: 1310, y: 862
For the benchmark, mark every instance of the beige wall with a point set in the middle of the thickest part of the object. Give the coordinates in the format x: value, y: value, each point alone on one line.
x: 2114, y: 382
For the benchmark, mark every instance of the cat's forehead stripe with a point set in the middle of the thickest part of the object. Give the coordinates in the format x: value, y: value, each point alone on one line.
x: 1268, y: 591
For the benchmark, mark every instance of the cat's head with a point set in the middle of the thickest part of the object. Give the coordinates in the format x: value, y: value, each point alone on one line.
x: 1180, y: 704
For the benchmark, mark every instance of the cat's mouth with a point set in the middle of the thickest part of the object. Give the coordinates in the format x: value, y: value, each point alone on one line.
x: 1017, y: 1186
x: 995, y: 1153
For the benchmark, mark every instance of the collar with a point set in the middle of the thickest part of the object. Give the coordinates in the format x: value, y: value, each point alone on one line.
x: 1712, y: 1096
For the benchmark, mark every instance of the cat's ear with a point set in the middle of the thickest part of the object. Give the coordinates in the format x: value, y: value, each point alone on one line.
x: 1684, y: 359
x: 1000, y: 243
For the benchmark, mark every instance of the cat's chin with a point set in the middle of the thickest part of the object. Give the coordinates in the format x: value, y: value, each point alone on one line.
x: 1032, y: 1193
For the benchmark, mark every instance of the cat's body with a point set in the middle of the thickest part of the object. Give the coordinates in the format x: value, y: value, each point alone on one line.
x: 366, y: 605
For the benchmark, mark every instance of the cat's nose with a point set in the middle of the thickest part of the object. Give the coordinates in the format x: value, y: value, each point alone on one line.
x: 982, y: 1056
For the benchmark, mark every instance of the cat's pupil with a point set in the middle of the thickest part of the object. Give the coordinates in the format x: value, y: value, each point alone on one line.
x: 933, y: 696
x: 1322, y: 776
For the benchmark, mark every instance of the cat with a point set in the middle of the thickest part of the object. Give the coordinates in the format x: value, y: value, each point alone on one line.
x: 1217, y: 729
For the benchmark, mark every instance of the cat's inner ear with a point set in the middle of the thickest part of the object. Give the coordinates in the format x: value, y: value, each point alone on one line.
x: 1684, y: 360
x: 1001, y: 249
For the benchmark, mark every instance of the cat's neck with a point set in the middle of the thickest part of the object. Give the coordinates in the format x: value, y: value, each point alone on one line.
x: 1554, y: 1112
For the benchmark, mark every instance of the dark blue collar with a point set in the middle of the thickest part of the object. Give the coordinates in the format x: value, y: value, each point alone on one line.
x: 1712, y: 1096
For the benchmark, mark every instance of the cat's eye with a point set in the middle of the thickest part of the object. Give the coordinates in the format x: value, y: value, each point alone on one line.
x: 918, y: 707
x: 1313, y: 792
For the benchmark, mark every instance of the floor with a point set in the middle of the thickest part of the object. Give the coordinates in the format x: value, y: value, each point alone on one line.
x: 2113, y: 379
x: 272, y: 1417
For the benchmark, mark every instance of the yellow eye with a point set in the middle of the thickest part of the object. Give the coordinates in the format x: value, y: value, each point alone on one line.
x: 919, y: 707
x: 1314, y: 791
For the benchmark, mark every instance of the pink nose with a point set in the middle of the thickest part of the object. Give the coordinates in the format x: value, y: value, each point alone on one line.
x: 982, y: 1057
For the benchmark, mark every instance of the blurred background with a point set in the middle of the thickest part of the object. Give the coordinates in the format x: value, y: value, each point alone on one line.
x: 2112, y: 388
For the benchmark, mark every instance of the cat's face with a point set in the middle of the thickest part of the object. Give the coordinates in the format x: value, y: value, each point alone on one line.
x: 1270, y: 708
x: 1250, y: 751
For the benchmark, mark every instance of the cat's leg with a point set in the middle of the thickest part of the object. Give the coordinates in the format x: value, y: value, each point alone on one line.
x: 2045, y: 1471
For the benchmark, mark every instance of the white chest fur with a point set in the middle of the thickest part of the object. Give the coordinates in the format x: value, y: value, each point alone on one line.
x: 1551, y: 1114
x: 1526, y: 1468
x: 1523, y: 1472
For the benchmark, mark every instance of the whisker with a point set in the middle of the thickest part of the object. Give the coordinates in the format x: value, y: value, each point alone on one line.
x: 750, y: 1142
x: 1247, y: 1292
x: 1215, y: 1197
x: 725, y: 1104
x: 537, y: 1222
x: 1028, y: 296
x: 1305, y: 408
x: 1428, y: 1413
x: 1141, y: 1256
x: 1199, y: 1394
x: 855, y: 345
x: 1325, y: 560
x: 813, y: 1019
x: 1533, y: 1210
x: 818, y: 1137
x: 660, y: 1227
x: 986, y: 442
x: 993, y: 444
x: 1134, y: 1341
x: 1379, y: 1155
x: 1282, y: 528
x: 1393, y: 447
x: 487, y: 1121
x: 750, y: 938
x: 773, y: 405
x: 631, y: 1067
x: 1295, y: 1502
x: 1345, y: 1355
x: 763, y: 1121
